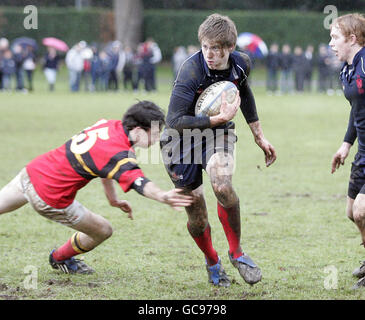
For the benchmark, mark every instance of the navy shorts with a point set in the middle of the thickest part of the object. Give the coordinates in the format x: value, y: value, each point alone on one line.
x: 357, y: 181
x: 190, y: 175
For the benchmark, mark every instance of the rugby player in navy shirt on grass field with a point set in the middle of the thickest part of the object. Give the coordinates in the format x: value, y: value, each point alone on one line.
x: 348, y: 41
x: 105, y: 150
x: 185, y: 156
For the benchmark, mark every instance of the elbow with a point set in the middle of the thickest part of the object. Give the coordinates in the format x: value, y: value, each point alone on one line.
x: 175, y: 124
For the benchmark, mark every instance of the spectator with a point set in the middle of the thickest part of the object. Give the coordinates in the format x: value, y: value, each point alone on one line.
x: 29, y: 66
x: 272, y: 65
x: 144, y: 66
x: 308, y: 54
x: 323, y: 68
x: 299, y: 68
x: 154, y: 60
x: 4, y: 45
x: 113, y: 65
x: 95, y: 70
x: 87, y: 55
x: 18, y: 57
x: 104, y: 70
x: 286, y: 64
x: 51, y: 67
x: 129, y: 70
x: 8, y: 68
x: 334, y: 82
x: 75, y: 65
x: 179, y: 56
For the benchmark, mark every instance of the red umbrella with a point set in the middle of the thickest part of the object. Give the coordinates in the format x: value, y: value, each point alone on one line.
x: 55, y: 43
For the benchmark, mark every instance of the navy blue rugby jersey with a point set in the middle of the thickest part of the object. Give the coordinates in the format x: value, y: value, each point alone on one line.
x: 193, y: 77
x: 353, y: 82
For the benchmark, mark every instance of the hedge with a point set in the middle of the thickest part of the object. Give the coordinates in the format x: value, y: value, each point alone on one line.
x: 67, y: 24
x: 169, y: 28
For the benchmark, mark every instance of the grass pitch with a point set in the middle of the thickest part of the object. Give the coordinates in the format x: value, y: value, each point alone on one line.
x: 293, y: 213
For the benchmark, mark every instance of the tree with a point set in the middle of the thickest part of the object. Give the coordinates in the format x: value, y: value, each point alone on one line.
x: 128, y: 15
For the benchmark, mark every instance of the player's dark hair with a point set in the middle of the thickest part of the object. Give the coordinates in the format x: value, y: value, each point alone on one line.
x: 142, y: 114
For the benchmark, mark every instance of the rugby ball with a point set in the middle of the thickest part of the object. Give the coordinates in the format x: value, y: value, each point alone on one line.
x: 209, y: 102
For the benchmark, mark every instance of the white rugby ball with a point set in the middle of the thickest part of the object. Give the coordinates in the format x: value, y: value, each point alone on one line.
x: 209, y: 102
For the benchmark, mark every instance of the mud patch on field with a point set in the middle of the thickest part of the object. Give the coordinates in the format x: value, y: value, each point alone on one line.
x: 61, y: 283
x: 69, y: 282
x: 295, y: 195
x: 11, y: 293
x: 3, y: 287
x: 329, y: 197
x: 246, y: 295
x: 260, y: 213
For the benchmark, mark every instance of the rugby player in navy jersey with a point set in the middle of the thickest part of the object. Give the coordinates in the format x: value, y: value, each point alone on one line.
x: 105, y: 150
x: 348, y: 41
x: 184, y: 158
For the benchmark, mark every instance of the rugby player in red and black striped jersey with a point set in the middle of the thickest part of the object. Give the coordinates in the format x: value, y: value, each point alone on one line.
x: 105, y: 150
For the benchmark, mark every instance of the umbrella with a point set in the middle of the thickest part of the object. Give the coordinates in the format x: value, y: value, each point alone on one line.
x: 252, y: 43
x: 24, y: 42
x: 55, y: 43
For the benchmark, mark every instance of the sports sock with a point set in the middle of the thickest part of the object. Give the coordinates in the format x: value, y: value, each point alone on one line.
x: 204, y: 242
x: 230, y: 219
x: 71, y: 248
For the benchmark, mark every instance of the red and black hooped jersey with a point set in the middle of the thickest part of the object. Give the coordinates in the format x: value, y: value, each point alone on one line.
x: 102, y: 150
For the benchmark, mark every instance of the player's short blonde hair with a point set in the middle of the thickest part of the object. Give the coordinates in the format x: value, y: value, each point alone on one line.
x: 220, y: 29
x: 353, y: 23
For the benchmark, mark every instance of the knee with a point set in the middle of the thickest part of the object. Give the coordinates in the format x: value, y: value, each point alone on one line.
x: 358, y: 211
x: 225, y: 193
x: 197, y: 227
x: 105, y: 231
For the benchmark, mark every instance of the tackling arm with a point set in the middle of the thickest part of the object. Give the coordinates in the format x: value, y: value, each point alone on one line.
x: 173, y: 197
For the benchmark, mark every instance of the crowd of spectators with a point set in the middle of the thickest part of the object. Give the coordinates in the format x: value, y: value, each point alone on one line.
x: 91, y: 67
x: 292, y: 70
x: 94, y: 67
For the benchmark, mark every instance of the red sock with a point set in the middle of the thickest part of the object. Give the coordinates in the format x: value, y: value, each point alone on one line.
x: 230, y: 219
x: 71, y: 248
x: 204, y: 242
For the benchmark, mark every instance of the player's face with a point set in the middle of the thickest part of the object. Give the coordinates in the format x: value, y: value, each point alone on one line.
x: 147, y: 138
x: 215, y: 55
x: 339, y: 44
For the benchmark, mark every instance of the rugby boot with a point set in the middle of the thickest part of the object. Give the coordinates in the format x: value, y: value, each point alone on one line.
x: 359, y: 284
x: 360, y: 271
x: 248, y: 270
x: 217, y: 276
x: 71, y: 265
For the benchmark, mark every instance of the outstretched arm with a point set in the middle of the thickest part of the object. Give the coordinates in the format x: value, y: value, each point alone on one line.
x: 112, y: 197
x: 173, y: 197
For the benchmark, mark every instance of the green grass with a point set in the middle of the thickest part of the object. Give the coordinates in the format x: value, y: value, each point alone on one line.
x: 293, y: 213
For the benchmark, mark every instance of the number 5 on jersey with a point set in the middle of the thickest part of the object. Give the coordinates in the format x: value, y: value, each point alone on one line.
x: 84, y: 141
